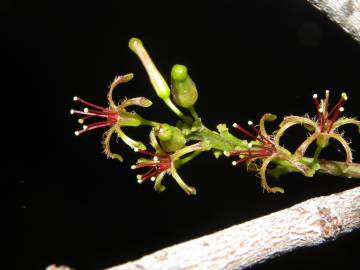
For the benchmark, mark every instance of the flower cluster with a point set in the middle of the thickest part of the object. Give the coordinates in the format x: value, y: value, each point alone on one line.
x: 175, y: 145
x: 262, y: 149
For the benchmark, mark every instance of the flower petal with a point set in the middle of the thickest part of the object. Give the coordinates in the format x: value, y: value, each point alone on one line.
x: 158, y: 186
x: 291, y: 121
x: 118, y: 80
x: 300, y: 151
x: 266, y: 117
x: 106, y: 145
x: 130, y: 142
x: 188, y: 189
x: 138, y: 101
x: 344, y: 144
x: 263, y: 177
x: 345, y: 121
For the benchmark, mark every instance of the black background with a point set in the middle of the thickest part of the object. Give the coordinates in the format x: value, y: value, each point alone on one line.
x: 73, y: 206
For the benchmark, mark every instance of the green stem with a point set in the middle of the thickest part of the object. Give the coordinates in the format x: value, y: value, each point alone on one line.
x: 175, y: 109
x: 217, y: 141
x: 339, y: 168
x: 317, y: 153
x: 194, y: 114
x: 184, y: 160
x: 146, y: 122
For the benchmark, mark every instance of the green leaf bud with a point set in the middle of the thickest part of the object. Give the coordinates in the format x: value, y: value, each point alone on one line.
x: 183, y: 89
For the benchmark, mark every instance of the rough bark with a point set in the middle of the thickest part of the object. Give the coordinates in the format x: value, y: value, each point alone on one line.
x: 346, y: 13
x: 306, y: 224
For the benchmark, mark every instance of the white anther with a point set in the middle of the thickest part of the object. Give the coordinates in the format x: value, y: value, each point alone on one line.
x: 152, y: 178
x: 85, y: 127
x: 250, y: 145
x: 75, y: 98
x: 136, y: 149
x: 161, y: 130
x: 80, y: 121
x: 86, y: 110
x: 234, y: 125
x: 234, y: 163
x: 72, y: 111
x: 315, y: 95
x: 327, y: 92
x: 250, y: 123
x: 344, y: 96
x: 341, y: 109
x: 77, y: 133
x: 156, y: 159
x: 321, y: 110
x: 133, y: 167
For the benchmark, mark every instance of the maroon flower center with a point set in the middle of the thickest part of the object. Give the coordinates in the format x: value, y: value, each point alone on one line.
x: 110, y: 115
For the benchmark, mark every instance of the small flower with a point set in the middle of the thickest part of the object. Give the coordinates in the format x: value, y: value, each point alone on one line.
x: 164, y: 163
x: 158, y: 167
x: 324, y: 127
x: 114, y: 116
x: 262, y: 148
x: 265, y: 149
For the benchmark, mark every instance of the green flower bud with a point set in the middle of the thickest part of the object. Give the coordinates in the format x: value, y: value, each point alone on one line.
x: 171, y: 138
x: 157, y: 80
x: 183, y: 89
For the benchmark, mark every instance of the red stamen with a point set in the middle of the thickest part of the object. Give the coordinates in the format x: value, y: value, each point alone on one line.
x: 326, y: 104
x: 263, y: 146
x: 148, y: 174
x: 153, y: 154
x: 337, y: 106
x: 245, y: 131
x: 335, y: 116
x: 88, y: 103
x: 240, y: 161
x: 89, y: 113
x: 257, y: 131
x: 95, y: 126
x: 104, y: 112
x: 320, y: 115
x: 111, y: 116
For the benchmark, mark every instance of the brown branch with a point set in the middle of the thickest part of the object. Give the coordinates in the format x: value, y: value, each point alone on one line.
x: 346, y: 13
x: 309, y: 223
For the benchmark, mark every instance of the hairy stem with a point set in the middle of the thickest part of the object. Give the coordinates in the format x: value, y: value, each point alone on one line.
x: 339, y: 168
x: 216, y: 140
